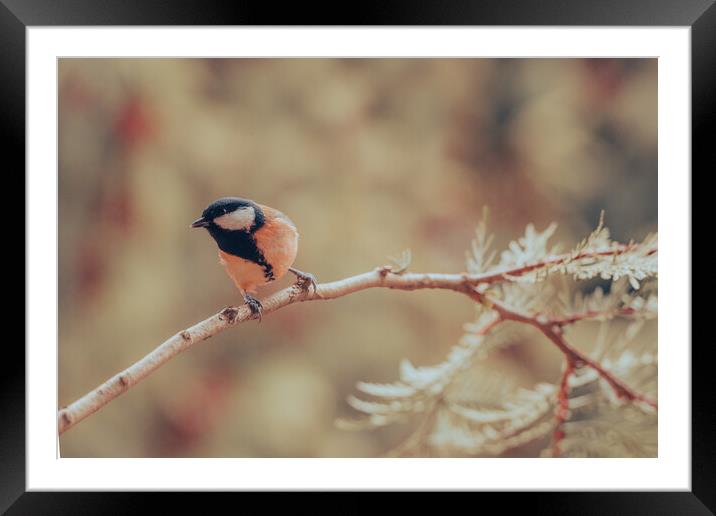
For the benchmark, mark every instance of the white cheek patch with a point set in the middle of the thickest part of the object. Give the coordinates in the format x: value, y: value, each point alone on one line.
x: 240, y: 219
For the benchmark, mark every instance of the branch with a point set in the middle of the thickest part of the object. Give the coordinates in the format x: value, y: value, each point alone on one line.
x: 381, y: 277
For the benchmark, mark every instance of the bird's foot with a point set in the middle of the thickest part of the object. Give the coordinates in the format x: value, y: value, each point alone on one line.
x: 254, y: 305
x: 304, y: 280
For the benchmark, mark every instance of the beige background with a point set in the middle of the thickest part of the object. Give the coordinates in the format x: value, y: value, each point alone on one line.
x: 368, y: 157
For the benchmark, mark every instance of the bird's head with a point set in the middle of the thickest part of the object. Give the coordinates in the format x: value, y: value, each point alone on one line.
x: 230, y: 214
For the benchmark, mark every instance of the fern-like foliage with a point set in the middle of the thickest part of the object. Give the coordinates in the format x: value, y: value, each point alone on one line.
x: 463, y: 408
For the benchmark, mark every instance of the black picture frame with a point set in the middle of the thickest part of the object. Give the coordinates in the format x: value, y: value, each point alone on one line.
x: 700, y: 15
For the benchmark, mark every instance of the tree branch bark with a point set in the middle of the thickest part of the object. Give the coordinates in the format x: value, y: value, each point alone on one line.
x: 381, y: 277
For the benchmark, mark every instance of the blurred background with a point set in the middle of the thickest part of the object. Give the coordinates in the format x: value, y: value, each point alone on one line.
x: 368, y: 157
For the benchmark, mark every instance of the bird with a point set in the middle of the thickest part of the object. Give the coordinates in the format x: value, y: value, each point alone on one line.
x: 257, y: 245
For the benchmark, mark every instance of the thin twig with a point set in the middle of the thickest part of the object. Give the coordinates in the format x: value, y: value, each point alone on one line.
x: 593, y: 314
x: 562, y: 408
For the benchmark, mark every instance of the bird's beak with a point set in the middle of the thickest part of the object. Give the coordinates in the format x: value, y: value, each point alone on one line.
x: 201, y: 222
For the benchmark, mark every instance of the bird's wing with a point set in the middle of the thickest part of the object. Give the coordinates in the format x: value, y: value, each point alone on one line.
x: 274, y: 213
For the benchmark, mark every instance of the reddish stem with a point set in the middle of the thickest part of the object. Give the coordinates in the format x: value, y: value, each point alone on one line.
x: 552, y: 329
x: 573, y: 318
x: 579, y: 359
x: 562, y: 408
x: 557, y: 260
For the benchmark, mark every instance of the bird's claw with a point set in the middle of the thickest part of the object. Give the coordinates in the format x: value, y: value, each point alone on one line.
x: 255, y: 306
x: 305, y: 280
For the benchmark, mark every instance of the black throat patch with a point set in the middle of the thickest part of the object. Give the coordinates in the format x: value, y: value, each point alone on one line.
x: 243, y: 245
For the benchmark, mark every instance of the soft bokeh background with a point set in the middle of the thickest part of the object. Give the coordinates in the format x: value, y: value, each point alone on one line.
x: 368, y: 157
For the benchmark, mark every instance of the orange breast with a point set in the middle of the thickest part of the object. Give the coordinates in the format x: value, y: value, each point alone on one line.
x: 278, y: 241
x: 246, y: 274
